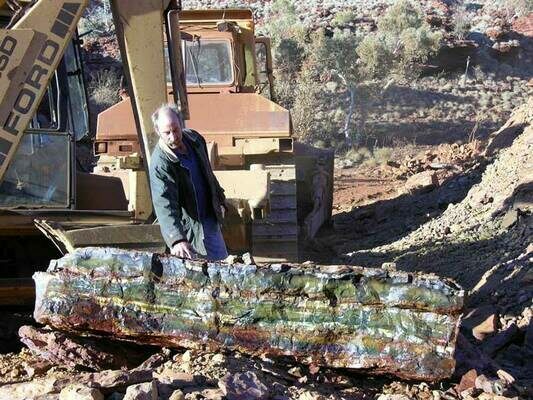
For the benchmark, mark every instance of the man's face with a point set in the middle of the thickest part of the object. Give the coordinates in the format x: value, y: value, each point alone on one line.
x: 169, y: 129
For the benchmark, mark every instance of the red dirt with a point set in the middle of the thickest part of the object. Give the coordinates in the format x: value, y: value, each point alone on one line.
x: 359, y: 186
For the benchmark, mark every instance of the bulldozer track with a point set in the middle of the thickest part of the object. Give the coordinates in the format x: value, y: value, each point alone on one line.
x: 275, y: 238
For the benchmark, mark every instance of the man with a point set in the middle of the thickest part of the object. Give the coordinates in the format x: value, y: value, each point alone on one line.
x: 187, y: 198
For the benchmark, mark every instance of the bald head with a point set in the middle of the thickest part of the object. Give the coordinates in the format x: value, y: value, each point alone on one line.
x: 167, y: 124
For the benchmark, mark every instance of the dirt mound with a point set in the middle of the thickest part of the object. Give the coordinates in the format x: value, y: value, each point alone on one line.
x: 484, y: 242
x: 490, y: 225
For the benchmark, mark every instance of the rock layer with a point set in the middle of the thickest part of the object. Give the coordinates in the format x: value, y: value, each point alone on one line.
x: 75, y: 351
x: 371, y: 319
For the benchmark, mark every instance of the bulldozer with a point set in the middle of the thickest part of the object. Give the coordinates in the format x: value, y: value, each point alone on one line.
x: 230, y: 91
x: 46, y: 198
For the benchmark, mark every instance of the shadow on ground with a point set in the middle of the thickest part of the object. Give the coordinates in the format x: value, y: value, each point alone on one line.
x: 389, y: 220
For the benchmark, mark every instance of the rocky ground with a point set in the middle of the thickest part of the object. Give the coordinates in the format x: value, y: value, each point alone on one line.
x: 468, y: 209
x: 474, y: 226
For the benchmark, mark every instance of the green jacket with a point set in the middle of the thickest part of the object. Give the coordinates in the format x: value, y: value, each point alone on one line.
x: 173, y: 194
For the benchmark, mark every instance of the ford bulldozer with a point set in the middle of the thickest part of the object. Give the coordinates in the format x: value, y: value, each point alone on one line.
x: 43, y: 113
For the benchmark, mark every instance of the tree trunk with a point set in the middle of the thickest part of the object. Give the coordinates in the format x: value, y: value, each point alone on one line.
x: 371, y: 319
x: 351, y: 108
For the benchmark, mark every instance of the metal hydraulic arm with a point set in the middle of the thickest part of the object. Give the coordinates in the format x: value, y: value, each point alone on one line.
x: 139, y: 27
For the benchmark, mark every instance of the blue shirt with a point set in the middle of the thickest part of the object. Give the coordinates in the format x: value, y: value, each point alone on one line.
x: 213, y: 240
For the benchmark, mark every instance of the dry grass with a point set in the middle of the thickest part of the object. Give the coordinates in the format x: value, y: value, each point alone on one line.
x: 363, y: 156
x: 104, y: 88
x: 382, y: 155
x: 358, y: 155
x: 461, y: 22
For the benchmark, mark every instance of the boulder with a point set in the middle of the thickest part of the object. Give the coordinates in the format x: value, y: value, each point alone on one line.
x: 60, y: 348
x: 177, y: 395
x: 142, y: 391
x: 243, y: 386
x: 421, y: 182
x: 80, y: 392
x: 48, y: 388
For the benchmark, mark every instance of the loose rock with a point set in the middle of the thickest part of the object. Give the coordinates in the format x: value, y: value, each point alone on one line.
x: 80, y: 392
x: 177, y: 395
x: 142, y: 391
x: 422, y: 182
x: 243, y: 386
x: 487, y: 327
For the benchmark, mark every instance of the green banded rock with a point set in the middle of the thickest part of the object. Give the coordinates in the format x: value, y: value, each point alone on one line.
x: 370, y: 319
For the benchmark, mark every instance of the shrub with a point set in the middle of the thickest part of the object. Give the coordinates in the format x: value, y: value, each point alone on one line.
x: 307, y: 101
x: 321, y: 144
x: 461, y: 22
x: 288, y: 48
x: 401, y: 44
x: 329, y: 82
x: 343, y: 18
x: 284, y: 22
x: 358, y: 154
x: 104, y: 89
x: 370, y: 163
x: 382, y: 154
x: 287, y: 60
x: 511, y: 8
x: 479, y: 75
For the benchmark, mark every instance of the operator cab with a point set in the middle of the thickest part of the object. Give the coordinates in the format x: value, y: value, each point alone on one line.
x: 40, y: 175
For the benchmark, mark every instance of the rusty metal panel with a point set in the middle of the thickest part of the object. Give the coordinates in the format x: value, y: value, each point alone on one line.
x: 256, y: 146
x: 368, y: 319
x: 221, y: 118
x: 117, y: 123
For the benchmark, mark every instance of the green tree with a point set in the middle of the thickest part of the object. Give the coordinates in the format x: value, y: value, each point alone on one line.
x: 335, y: 60
x: 314, y: 71
x: 284, y: 22
x: 400, y: 45
x: 288, y: 42
x: 395, y: 52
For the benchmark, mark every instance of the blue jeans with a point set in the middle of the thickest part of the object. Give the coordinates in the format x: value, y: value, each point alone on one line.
x: 214, y: 242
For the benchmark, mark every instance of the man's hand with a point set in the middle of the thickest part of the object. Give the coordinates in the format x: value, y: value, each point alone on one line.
x: 183, y: 250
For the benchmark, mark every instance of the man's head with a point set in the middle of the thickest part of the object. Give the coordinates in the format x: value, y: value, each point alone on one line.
x: 167, y: 123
